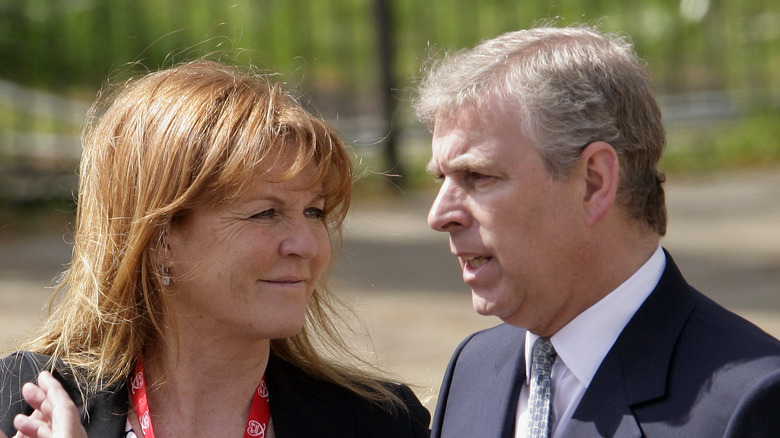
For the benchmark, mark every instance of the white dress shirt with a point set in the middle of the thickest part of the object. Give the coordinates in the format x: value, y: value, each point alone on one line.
x: 583, y: 343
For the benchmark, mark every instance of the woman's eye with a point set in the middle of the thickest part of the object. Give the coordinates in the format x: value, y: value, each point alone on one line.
x: 315, y: 213
x: 265, y: 214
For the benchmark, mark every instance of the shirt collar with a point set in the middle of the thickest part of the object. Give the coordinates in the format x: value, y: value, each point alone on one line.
x: 583, y: 343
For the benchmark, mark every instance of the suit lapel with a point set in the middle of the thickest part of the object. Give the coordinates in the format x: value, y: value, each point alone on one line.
x: 604, y: 410
x: 506, y: 396
x: 499, y: 391
x: 636, y: 368
x: 498, y: 397
x: 484, y: 379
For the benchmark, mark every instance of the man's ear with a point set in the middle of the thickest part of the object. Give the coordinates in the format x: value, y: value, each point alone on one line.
x: 602, y: 175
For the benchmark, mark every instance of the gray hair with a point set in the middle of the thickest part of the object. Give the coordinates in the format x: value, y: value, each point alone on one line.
x: 569, y: 87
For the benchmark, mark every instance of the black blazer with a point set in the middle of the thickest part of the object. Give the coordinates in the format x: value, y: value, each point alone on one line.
x: 682, y: 367
x: 301, y: 406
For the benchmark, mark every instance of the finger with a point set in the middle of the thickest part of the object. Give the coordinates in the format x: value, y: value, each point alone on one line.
x: 54, y: 396
x: 33, y: 395
x: 36, y: 397
x: 36, y: 415
x: 54, y: 390
x: 31, y: 427
x: 65, y: 419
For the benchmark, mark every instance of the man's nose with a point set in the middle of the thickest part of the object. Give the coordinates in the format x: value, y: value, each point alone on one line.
x: 448, y: 212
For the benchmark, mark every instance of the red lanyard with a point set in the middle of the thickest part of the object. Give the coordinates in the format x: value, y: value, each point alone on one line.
x: 256, y: 423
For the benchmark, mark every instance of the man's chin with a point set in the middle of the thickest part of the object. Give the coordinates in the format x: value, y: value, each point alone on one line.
x: 482, y: 306
x: 507, y: 312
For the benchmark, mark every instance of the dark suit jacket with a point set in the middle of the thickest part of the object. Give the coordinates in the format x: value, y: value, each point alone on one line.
x: 301, y: 407
x: 682, y: 367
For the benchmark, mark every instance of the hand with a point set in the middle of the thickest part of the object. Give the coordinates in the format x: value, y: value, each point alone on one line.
x: 55, y: 415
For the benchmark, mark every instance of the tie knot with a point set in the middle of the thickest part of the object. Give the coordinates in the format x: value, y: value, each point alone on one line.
x: 543, y: 353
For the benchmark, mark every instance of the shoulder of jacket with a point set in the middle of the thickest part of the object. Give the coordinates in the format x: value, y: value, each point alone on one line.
x: 500, y: 336
x: 24, y: 364
x: 16, y: 369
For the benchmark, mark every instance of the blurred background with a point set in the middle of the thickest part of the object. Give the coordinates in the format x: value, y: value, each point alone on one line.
x: 715, y: 63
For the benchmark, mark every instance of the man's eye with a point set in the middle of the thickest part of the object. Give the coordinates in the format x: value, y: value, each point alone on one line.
x: 474, y: 176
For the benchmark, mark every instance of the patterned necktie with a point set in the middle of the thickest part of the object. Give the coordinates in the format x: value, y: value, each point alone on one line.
x: 540, y: 415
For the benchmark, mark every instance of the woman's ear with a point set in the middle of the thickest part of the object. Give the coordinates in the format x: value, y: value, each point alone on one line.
x: 602, y: 177
x: 162, y: 258
x: 161, y: 251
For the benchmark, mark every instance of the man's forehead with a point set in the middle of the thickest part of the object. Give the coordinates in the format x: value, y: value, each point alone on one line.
x: 464, y: 118
x: 473, y: 140
x: 462, y: 150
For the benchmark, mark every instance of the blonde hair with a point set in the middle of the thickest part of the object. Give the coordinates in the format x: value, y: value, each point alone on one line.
x: 192, y: 135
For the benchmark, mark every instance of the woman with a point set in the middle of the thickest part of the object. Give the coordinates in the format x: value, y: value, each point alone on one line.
x: 208, y: 201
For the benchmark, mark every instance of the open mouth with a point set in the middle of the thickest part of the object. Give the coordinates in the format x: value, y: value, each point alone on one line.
x: 475, y: 262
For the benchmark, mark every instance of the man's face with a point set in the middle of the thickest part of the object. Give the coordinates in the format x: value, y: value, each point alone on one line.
x: 515, y: 231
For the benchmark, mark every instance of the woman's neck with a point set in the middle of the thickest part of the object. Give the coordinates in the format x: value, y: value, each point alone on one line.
x: 201, y: 386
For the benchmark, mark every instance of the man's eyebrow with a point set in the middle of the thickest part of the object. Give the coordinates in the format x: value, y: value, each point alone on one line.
x: 463, y: 163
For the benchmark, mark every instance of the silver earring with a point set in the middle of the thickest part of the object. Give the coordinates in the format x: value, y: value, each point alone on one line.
x: 166, y: 279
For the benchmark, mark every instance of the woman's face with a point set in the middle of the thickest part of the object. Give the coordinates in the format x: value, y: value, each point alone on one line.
x: 246, y: 269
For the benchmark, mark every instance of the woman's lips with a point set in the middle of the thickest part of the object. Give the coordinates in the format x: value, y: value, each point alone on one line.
x: 284, y: 281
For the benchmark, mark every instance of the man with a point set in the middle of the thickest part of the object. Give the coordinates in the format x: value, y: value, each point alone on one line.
x: 546, y: 142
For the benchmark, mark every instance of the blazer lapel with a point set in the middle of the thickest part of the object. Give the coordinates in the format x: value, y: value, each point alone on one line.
x: 604, y: 410
x: 499, y: 395
x: 636, y: 368
x: 482, y: 385
x: 512, y: 371
x: 497, y: 398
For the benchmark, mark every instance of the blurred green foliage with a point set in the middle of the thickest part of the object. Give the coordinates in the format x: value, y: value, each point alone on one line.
x: 330, y: 44
x: 752, y: 141
x: 328, y: 49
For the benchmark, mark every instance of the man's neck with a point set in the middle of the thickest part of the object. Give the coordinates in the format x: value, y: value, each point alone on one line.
x: 607, y: 268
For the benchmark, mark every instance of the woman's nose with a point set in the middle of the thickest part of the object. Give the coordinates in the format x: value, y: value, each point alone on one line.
x: 303, y: 240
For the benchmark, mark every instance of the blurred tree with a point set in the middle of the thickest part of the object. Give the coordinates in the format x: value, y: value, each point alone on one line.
x: 356, y: 59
